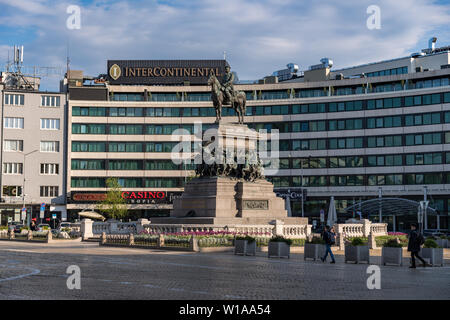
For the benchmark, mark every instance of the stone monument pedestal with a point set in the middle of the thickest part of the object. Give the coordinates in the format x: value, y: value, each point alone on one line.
x: 226, y: 200
x: 229, y: 192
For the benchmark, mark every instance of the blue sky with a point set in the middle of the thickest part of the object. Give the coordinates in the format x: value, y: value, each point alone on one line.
x: 259, y: 36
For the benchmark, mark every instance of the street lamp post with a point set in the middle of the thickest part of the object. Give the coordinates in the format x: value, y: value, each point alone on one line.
x: 303, y: 193
x: 23, y: 186
x: 303, y: 212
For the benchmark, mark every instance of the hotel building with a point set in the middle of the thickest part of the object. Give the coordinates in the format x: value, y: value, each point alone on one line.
x: 354, y: 133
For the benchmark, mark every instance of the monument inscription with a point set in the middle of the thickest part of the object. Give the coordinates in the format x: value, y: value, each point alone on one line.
x: 255, y: 204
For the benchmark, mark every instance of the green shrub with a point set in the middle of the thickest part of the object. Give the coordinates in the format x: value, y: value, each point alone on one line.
x: 443, y: 237
x: 248, y: 238
x: 430, y: 243
x: 3, y: 227
x: 381, y: 240
x: 358, y: 241
x: 281, y: 239
x: 316, y: 240
x: 392, y: 243
x: 298, y: 242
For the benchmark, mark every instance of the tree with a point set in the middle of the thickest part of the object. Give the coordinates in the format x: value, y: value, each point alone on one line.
x: 114, y: 206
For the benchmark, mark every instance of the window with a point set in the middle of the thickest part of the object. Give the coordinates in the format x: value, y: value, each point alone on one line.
x: 14, y: 99
x: 89, y: 111
x: 49, y: 168
x: 162, y: 165
x: 88, y: 164
x: 12, y: 168
x: 81, y: 146
x: 125, y: 164
x: 49, y: 146
x: 125, y: 129
x: 13, y: 145
x: 125, y: 147
x: 13, y: 123
x: 162, y: 182
x: 128, y: 96
x: 49, y: 124
x: 50, y: 101
x: 79, y: 182
x: 49, y: 191
x: 12, y: 191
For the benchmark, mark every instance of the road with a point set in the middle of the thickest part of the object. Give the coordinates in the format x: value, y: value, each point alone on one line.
x: 38, y: 271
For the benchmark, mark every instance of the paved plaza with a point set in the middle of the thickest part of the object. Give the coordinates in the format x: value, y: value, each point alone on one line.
x: 38, y: 271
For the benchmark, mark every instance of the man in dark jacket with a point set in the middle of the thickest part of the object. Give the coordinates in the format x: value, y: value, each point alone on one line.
x: 415, y: 241
x: 328, y: 236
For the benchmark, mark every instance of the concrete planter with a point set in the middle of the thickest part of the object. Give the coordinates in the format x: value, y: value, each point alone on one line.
x: 314, y: 251
x: 357, y: 254
x: 392, y: 255
x: 442, y: 243
x: 279, y: 250
x: 243, y: 247
x: 435, y: 255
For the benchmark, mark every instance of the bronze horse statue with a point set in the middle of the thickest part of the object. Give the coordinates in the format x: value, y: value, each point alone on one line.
x: 217, y: 96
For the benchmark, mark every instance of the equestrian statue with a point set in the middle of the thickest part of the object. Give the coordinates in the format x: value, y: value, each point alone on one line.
x: 223, y: 94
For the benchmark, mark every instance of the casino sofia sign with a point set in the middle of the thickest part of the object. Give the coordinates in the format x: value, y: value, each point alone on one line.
x: 167, y: 72
x: 131, y: 197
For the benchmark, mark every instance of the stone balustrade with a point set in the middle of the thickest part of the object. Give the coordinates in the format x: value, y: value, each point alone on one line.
x: 266, y: 230
x: 378, y: 229
x: 95, y: 229
x: 296, y: 231
x: 361, y: 228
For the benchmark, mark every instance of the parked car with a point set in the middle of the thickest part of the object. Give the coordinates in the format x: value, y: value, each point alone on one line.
x: 12, y: 225
x: 18, y: 228
x: 43, y: 227
x: 64, y: 225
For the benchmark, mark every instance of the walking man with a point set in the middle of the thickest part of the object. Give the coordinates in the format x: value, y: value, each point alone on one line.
x: 415, y: 241
x: 329, y: 237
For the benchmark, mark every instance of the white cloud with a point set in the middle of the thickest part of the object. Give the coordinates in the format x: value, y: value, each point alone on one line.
x: 259, y: 36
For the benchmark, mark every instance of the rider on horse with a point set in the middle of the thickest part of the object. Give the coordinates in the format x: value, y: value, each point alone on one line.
x: 227, y: 86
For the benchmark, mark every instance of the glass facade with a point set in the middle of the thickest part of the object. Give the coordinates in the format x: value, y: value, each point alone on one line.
x: 330, y: 144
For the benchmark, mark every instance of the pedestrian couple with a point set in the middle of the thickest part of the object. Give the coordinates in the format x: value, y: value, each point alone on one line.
x: 329, y: 236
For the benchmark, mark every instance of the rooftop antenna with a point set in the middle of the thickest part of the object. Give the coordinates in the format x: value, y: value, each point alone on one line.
x: 224, y: 55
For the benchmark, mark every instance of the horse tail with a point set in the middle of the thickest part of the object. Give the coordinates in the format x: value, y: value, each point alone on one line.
x: 244, y: 103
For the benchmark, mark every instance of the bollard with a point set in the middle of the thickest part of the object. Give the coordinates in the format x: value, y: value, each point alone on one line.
x: 160, y: 241
x: 103, y: 239
x: 131, y: 240
x: 11, y: 234
x: 30, y: 235
x: 341, y: 241
x: 372, y: 242
x: 193, y: 244
x: 49, y: 236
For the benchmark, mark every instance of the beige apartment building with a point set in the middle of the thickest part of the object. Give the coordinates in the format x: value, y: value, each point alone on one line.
x: 32, y: 154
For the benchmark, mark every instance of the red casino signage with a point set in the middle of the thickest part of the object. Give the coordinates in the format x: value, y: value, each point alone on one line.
x: 131, y: 197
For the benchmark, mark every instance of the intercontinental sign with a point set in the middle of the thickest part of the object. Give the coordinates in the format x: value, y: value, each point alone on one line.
x: 165, y: 72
